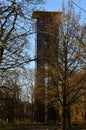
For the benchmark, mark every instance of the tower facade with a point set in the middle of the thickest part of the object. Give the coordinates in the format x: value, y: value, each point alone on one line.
x: 47, y: 28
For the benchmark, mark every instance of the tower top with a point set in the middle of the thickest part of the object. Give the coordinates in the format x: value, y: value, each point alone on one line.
x: 37, y: 14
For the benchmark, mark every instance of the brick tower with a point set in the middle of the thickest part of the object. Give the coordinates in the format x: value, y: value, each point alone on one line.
x: 47, y: 28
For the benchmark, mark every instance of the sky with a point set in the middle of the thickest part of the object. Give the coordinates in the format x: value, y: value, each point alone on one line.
x: 56, y: 5
x: 53, y: 5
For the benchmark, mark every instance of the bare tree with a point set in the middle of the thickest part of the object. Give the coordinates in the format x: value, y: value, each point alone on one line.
x: 15, y: 30
x: 10, y: 92
x: 27, y: 82
x: 71, y: 60
x: 66, y: 61
x: 15, y: 35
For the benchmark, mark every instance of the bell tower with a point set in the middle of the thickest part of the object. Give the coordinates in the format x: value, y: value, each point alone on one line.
x: 47, y: 32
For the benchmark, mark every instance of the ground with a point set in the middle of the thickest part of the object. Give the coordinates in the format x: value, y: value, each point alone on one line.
x: 35, y: 127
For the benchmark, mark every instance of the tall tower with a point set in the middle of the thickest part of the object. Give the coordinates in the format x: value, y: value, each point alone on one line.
x: 47, y: 27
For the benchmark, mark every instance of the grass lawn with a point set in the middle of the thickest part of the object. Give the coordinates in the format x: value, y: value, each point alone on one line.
x: 12, y: 127
x: 24, y: 127
x: 27, y: 127
x: 7, y: 127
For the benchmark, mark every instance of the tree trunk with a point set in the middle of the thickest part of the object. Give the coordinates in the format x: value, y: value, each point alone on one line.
x: 64, y: 119
x: 69, y: 116
x: 66, y: 115
x: 11, y: 117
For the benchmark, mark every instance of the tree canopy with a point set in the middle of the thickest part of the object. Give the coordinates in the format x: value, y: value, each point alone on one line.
x: 15, y: 31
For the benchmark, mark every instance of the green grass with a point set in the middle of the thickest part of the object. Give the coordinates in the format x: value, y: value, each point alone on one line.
x: 7, y: 127
x: 25, y: 127
x: 21, y: 127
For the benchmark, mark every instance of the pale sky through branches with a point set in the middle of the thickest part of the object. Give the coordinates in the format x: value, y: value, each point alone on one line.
x: 56, y: 5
